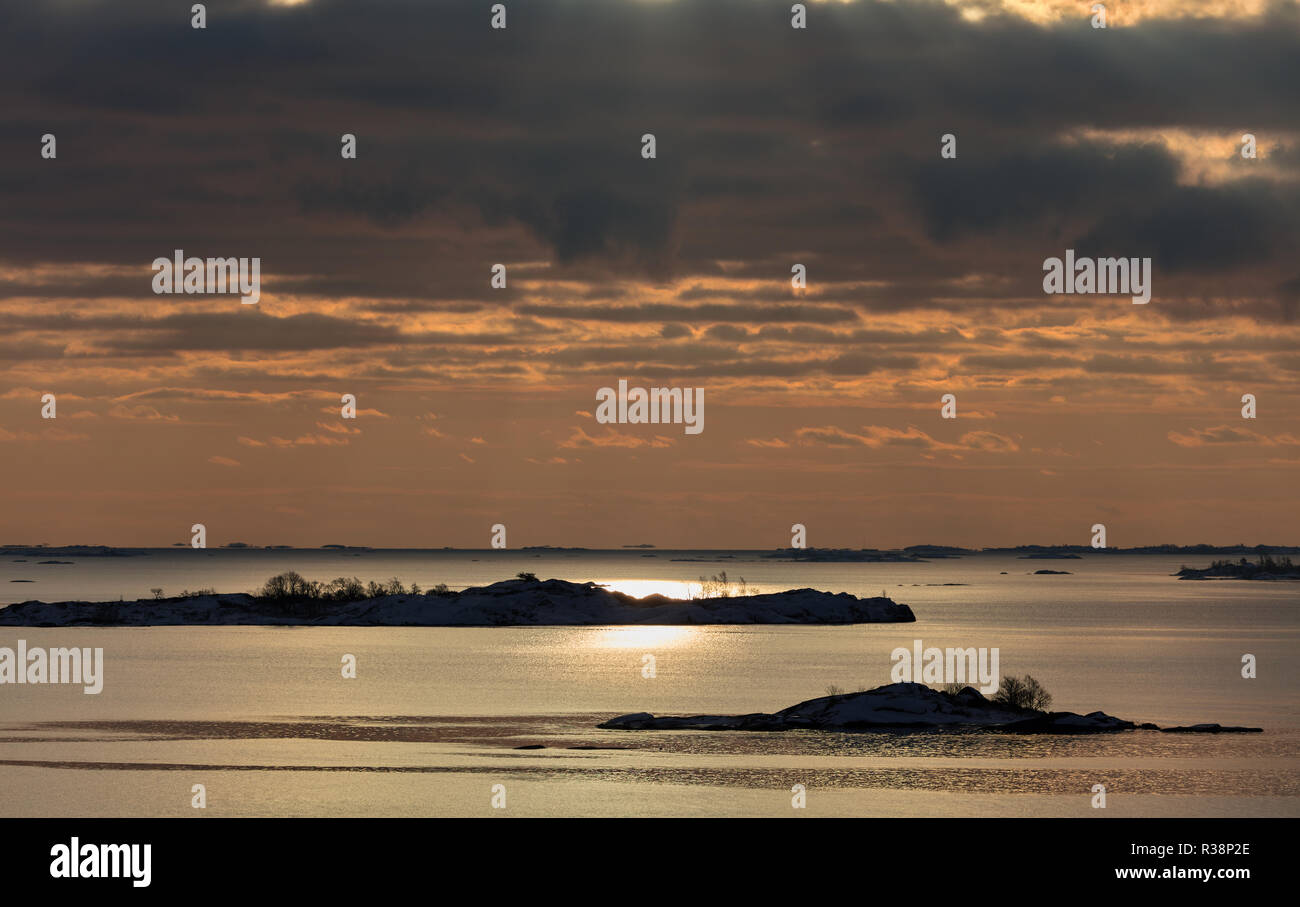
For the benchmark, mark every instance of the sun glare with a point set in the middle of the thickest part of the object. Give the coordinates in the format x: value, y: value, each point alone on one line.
x: 640, y: 588
x: 645, y: 638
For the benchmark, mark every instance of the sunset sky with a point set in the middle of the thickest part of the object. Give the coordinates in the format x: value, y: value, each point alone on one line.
x: 775, y: 146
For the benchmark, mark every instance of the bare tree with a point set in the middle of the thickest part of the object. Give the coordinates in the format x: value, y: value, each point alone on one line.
x: 1023, y: 693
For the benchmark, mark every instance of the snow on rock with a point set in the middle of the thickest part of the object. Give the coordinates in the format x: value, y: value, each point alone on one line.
x: 516, y: 602
x: 897, y: 705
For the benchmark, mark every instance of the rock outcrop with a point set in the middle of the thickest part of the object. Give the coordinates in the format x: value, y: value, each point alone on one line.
x: 516, y: 602
x: 900, y: 706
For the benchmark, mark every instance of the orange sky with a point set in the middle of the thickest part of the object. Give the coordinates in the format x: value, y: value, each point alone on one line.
x: 822, y: 406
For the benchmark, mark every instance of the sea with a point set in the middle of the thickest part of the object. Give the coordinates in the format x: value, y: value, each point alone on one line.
x: 502, y: 721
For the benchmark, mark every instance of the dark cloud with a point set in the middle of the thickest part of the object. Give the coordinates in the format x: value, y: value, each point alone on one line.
x: 523, y: 147
x: 1026, y: 190
x: 597, y: 222
x: 388, y: 201
x: 1203, y: 229
x: 525, y: 144
x: 251, y: 330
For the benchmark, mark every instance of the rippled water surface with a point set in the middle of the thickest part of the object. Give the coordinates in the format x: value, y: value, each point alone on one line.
x: 263, y: 718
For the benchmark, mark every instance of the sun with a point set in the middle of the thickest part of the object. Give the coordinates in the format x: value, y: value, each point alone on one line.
x: 640, y: 588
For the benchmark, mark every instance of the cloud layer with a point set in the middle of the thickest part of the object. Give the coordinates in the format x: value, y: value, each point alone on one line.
x: 775, y: 147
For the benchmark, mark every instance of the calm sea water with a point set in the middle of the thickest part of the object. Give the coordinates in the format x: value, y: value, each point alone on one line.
x: 263, y: 718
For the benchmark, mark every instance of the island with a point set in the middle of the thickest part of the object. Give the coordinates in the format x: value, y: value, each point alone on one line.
x: 1265, y: 568
x: 68, y: 551
x: 904, y: 706
x: 288, y: 599
x: 845, y: 555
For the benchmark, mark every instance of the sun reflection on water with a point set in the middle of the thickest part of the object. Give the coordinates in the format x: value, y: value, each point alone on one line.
x: 645, y: 637
x: 648, y: 637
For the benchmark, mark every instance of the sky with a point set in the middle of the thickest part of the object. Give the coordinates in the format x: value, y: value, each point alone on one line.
x: 774, y: 146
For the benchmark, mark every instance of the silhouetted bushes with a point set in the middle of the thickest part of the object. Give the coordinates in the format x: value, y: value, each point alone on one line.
x: 1023, y: 693
x: 291, y: 593
x: 291, y: 586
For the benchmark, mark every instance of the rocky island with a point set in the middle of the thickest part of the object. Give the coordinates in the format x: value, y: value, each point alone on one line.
x: 1265, y: 568
x: 903, y: 706
x: 288, y: 599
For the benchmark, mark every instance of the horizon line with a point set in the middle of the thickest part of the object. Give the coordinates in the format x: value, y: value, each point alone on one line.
x: 242, y: 546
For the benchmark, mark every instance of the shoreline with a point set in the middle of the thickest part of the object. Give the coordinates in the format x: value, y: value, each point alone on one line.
x: 905, y: 554
x: 524, y: 601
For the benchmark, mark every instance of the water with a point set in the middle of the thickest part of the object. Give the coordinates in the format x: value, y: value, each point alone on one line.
x: 262, y: 717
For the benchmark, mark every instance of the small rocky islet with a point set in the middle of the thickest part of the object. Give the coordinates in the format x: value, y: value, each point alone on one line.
x: 907, y: 706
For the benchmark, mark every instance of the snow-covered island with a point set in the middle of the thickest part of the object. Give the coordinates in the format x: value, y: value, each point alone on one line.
x: 1266, y: 568
x: 516, y: 602
x: 899, y: 706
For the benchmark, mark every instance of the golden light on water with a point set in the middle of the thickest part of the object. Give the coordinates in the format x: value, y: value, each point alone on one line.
x: 651, y: 637
x: 646, y: 638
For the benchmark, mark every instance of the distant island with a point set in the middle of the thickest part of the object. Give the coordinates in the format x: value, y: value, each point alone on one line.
x: 909, y: 554
x: 906, y: 706
x: 1265, y: 568
x: 68, y: 551
x: 938, y: 551
x: 1058, y: 550
x: 288, y: 599
x: 863, y: 555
